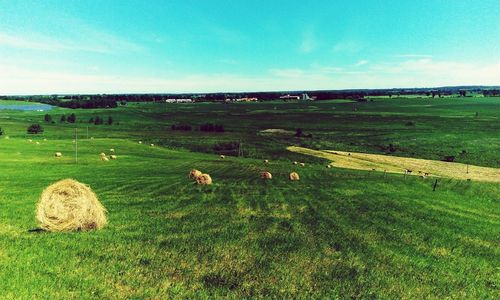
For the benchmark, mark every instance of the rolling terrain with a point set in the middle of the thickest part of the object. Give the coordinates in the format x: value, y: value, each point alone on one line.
x: 336, y: 233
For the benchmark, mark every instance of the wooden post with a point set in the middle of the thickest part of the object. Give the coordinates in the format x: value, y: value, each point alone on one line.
x: 467, y: 168
x: 435, y: 185
x: 76, y: 145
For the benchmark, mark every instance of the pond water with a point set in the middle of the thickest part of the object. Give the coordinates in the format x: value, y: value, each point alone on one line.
x: 29, y: 107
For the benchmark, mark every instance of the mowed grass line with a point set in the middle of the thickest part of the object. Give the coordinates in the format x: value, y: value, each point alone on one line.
x: 395, y: 164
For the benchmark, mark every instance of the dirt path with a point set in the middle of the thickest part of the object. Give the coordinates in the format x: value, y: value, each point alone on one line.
x: 395, y: 164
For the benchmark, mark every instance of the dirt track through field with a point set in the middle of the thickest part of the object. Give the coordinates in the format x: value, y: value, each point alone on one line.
x: 395, y: 164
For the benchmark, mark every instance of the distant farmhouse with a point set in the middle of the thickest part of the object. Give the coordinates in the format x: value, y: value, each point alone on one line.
x: 304, y: 97
x: 179, y: 100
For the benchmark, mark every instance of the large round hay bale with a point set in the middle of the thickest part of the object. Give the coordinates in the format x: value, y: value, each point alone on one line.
x: 113, y: 157
x: 302, y: 164
x: 58, y: 154
x: 266, y: 161
x: 222, y: 156
x: 204, y: 179
x: 102, y: 154
x: 294, y: 176
x: 104, y: 158
x: 69, y: 205
x: 266, y: 175
x: 193, y: 174
x: 295, y: 163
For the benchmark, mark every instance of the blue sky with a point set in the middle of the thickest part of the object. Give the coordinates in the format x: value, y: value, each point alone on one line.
x: 207, y: 46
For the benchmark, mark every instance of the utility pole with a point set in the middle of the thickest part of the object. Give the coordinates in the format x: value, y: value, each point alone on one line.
x: 76, y: 145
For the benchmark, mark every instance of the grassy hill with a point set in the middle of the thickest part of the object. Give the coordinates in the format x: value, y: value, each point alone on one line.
x: 336, y: 233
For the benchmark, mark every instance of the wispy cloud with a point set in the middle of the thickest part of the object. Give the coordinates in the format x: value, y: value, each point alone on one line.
x: 308, y: 43
x: 15, y: 79
x: 86, y: 39
x: 361, y: 63
x: 348, y: 46
x: 414, y: 56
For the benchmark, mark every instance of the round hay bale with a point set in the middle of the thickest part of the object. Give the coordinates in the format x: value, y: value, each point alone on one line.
x: 152, y: 145
x: 58, y: 154
x: 104, y: 158
x: 111, y: 150
x: 113, y: 157
x: 328, y: 166
x: 193, y: 174
x: 31, y: 141
x: 266, y: 175
x: 44, y: 140
x: 38, y: 143
x: 204, y: 179
x: 102, y: 154
x: 295, y: 163
x: 302, y: 164
x: 140, y: 142
x: 294, y: 176
x: 266, y: 161
x: 69, y: 205
x: 222, y: 156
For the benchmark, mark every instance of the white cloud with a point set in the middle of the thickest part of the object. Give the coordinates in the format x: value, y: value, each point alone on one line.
x: 16, y: 79
x: 87, y: 40
x: 361, y: 63
x: 308, y: 43
x: 348, y: 46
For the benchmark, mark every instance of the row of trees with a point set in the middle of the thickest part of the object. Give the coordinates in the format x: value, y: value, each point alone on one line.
x: 72, y: 119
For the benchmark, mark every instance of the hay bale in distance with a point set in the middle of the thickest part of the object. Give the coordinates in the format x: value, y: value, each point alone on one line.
x: 204, y: 179
x: 328, y: 166
x: 152, y: 145
x: 266, y: 175
x: 294, y: 176
x: 38, y: 143
x: 69, y: 205
x: 113, y: 157
x: 193, y: 174
x: 295, y: 163
x: 302, y: 164
x: 102, y: 154
x: 140, y: 142
x: 104, y: 158
x: 111, y: 150
x: 58, y: 154
x: 266, y: 161
x: 222, y: 156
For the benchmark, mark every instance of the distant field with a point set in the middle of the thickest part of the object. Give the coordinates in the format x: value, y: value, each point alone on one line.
x: 336, y: 233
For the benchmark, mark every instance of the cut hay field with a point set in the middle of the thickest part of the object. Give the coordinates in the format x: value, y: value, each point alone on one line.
x: 399, y: 165
x: 336, y: 233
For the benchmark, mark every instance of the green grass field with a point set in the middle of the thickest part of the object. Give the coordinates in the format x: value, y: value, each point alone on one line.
x: 336, y: 233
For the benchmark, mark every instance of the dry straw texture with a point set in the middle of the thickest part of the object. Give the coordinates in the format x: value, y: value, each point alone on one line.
x: 204, y: 179
x: 266, y: 175
x: 294, y: 176
x: 194, y: 174
x: 69, y: 205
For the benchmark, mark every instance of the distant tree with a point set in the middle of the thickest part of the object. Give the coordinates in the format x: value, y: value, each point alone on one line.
x: 110, y: 120
x: 98, y: 121
x: 63, y: 118
x: 35, y: 129
x: 299, y: 132
x: 47, y: 118
x: 91, y: 120
x: 71, y: 118
x: 463, y: 93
